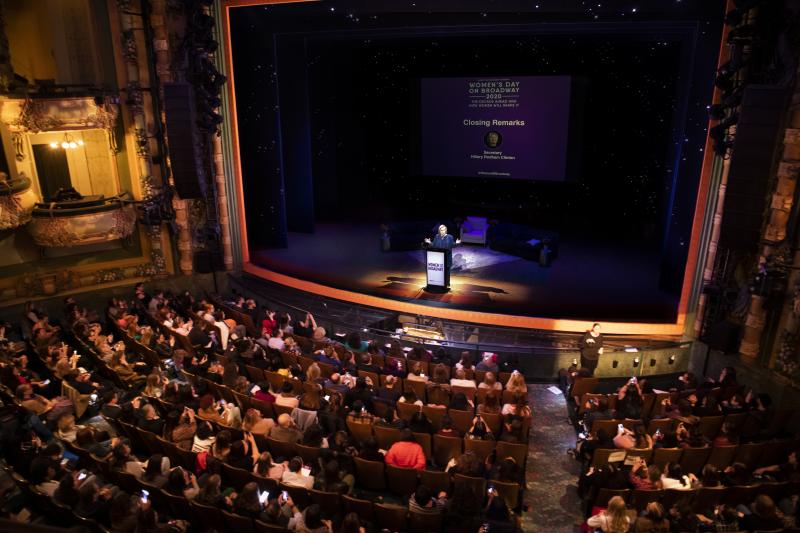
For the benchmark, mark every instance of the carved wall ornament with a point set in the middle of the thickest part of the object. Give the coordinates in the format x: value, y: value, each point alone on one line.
x: 58, y: 114
x: 19, y: 146
x: 35, y: 117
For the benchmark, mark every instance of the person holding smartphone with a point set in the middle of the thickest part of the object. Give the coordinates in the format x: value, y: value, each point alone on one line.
x: 424, y: 502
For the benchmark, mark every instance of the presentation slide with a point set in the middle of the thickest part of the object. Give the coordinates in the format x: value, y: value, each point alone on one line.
x: 514, y: 127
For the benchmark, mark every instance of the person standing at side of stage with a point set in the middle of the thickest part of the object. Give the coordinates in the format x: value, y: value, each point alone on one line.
x: 591, y: 348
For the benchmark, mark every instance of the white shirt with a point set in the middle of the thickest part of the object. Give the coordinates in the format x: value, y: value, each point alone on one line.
x: 276, y: 343
x: 297, y: 479
x: 287, y: 401
x: 462, y: 383
x: 672, y: 483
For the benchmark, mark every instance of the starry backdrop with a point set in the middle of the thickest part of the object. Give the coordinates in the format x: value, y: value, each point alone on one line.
x: 328, y: 113
x: 370, y: 120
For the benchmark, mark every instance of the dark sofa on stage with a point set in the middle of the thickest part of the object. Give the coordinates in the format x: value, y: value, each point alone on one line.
x: 515, y: 239
x: 506, y: 237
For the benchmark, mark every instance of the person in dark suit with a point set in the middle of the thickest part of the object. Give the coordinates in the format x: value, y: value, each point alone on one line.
x: 591, y: 348
x: 445, y: 241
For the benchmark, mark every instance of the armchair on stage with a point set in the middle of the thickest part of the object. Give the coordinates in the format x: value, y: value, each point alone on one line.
x: 474, y: 230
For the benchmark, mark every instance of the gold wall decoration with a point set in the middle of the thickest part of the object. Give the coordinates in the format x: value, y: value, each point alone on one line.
x: 58, y: 114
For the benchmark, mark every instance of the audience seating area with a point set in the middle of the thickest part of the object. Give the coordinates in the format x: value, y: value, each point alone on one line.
x: 337, y: 418
x: 699, y: 457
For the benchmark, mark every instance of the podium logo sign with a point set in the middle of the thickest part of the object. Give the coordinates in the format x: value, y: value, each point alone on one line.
x: 435, y: 262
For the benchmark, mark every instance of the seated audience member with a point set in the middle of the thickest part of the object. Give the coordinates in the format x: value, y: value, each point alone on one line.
x: 479, y: 430
x: 597, y: 409
x: 369, y: 451
x: 243, y: 453
x: 266, y: 468
x: 390, y: 392
x: 674, y: 478
x: 516, y: 383
x: 305, y: 327
x: 727, y: 435
x: 157, y: 470
x: 254, y: 422
x: 491, y: 403
x: 788, y: 471
x: 211, y: 495
x: 123, y: 459
x: 710, y: 477
x: 360, y: 414
x: 653, y: 520
x: 488, y: 363
x: 67, y: 430
x: 204, y: 438
x: 67, y: 491
x: 460, y: 402
x: 34, y: 403
x: 42, y: 476
x: 410, y: 397
x: 760, y: 516
x: 490, y: 382
x: 150, y: 421
x: 447, y: 429
x: 511, y: 431
x: 415, y: 372
x: 518, y: 408
x: 355, y: 344
x: 614, y: 519
x: 285, y: 431
x: 247, y: 502
x: 423, y: 502
x: 460, y: 380
x: 294, y: 476
x: 644, y: 476
x: 508, y: 471
x: 406, y: 453
x: 332, y: 479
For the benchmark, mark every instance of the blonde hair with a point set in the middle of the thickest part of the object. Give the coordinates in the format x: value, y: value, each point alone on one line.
x: 313, y: 372
x: 617, y: 515
x: 147, y: 335
x: 66, y: 423
x: 251, y: 418
x: 516, y: 383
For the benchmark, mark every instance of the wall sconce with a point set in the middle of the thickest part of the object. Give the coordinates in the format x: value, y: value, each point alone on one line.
x: 671, y: 359
x: 652, y: 362
x: 636, y: 362
x: 574, y: 362
x: 614, y: 363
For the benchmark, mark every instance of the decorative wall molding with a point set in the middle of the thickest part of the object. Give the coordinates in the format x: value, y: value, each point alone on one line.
x: 58, y: 114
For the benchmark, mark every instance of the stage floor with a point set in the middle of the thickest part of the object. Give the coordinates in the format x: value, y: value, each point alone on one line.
x: 588, y: 281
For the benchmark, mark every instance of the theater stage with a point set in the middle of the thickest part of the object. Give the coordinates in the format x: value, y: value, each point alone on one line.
x: 588, y: 281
